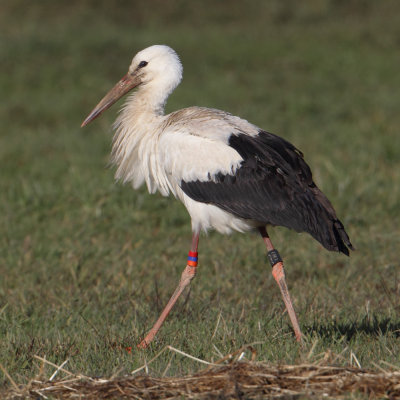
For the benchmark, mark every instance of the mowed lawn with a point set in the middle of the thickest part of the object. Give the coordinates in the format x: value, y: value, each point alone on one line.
x: 87, y: 264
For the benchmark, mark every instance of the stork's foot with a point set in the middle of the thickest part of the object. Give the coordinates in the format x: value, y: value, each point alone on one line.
x: 187, y: 275
x: 279, y: 275
x: 144, y: 344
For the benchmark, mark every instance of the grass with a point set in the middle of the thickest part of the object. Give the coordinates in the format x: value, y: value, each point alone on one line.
x: 86, y: 264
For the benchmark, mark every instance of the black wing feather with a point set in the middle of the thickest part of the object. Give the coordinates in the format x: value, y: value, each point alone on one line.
x: 274, y: 186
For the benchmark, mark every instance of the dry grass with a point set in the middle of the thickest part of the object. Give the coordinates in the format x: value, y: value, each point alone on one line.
x: 234, y: 380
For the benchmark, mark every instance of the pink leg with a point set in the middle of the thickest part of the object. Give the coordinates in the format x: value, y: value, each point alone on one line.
x: 187, y: 275
x: 279, y: 275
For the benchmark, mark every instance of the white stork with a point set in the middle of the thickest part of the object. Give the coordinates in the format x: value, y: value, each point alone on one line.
x: 229, y: 174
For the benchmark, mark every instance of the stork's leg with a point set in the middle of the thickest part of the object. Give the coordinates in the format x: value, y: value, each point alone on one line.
x: 187, y: 275
x: 279, y: 275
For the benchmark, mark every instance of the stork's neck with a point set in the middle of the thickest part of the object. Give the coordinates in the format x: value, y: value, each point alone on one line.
x: 147, y: 102
x: 136, y: 130
x: 140, y: 117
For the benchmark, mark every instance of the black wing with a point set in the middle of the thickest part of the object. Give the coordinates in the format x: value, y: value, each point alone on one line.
x: 273, y: 186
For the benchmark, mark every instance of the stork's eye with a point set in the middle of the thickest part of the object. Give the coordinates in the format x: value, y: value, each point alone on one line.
x: 142, y: 64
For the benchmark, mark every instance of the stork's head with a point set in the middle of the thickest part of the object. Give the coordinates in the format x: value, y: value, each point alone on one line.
x: 157, y: 69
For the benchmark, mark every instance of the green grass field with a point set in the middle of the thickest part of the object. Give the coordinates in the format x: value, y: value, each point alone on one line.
x: 87, y: 264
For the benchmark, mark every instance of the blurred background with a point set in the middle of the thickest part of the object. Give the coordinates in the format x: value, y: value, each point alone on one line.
x: 86, y: 263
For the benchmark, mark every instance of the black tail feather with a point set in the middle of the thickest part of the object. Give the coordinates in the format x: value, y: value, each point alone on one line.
x: 342, y: 238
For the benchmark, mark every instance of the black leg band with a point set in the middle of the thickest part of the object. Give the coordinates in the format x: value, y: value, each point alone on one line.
x: 274, y: 257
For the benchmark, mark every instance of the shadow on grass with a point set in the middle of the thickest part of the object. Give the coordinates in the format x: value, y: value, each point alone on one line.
x: 368, y: 326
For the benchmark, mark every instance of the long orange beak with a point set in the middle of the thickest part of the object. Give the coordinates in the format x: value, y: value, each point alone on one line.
x: 127, y: 83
